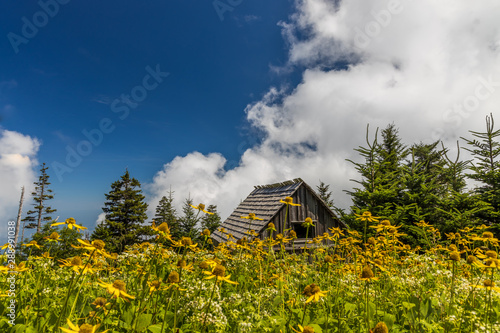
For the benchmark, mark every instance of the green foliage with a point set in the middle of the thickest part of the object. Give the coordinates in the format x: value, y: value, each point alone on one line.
x: 406, y: 185
x: 325, y: 194
x: 211, y: 221
x: 58, y: 250
x: 189, y: 221
x: 125, y: 211
x: 165, y: 212
x: 41, y: 194
x: 485, y: 149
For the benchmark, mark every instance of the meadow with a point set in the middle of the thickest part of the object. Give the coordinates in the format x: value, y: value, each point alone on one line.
x: 342, y: 281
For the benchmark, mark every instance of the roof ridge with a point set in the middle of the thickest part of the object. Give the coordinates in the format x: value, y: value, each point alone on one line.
x: 280, y: 184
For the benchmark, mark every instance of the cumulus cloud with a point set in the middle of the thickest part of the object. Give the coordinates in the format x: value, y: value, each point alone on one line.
x: 17, y: 162
x: 430, y: 67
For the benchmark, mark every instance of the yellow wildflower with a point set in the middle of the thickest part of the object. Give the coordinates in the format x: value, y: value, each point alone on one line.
x: 70, y: 223
x: 289, y: 201
x: 201, y: 207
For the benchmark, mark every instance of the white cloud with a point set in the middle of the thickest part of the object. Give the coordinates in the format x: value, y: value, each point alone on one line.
x: 100, y: 219
x: 17, y: 162
x: 430, y: 67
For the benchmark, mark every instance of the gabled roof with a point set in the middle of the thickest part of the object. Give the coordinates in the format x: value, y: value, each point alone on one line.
x: 264, y: 202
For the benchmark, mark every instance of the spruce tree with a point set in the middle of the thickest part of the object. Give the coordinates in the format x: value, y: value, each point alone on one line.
x: 485, y: 167
x: 41, y: 212
x: 381, y: 181
x: 188, y: 222
x: 165, y: 212
x: 125, y: 211
x: 325, y: 193
x: 211, y: 221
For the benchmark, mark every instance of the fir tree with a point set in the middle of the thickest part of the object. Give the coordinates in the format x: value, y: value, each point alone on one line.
x: 165, y: 212
x: 188, y: 222
x: 211, y: 221
x: 381, y: 182
x: 485, y: 149
x: 41, y: 194
x: 325, y: 193
x: 125, y: 211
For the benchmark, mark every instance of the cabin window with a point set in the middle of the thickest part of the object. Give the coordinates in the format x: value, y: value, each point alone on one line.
x: 302, y: 231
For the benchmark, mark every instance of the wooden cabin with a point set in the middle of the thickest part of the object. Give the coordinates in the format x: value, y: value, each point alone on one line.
x: 264, y: 202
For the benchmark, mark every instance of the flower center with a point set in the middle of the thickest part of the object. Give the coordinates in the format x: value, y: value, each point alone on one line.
x: 173, y: 277
x: 487, y: 234
x: 491, y: 254
x: 100, y: 301
x: 164, y: 227
x: 367, y: 273
x: 186, y: 241
x: 219, y: 270
x: 119, y: 284
x: 76, y: 261
x: 99, y: 244
x: 86, y: 328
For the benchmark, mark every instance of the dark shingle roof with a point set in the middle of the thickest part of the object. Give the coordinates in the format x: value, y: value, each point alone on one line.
x: 264, y: 202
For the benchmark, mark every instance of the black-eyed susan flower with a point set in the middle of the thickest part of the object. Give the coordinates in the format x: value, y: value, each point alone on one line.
x: 34, y: 244
x: 173, y: 280
x: 117, y: 289
x: 53, y: 237
x: 251, y: 216
x: 45, y: 255
x: 100, y: 302
x: 76, y: 264
x: 201, y: 207
x: 163, y: 229
x: 185, y: 242
x: 15, y: 268
x: 70, y: 223
x: 488, y: 285
x: 84, y: 328
x: 271, y: 227
x: 219, y: 272
x: 308, y: 222
x: 289, y: 201
x: 422, y: 224
x: 304, y: 329
x: 367, y: 274
x: 314, y: 293
x: 367, y: 217
x: 455, y: 256
x: 381, y: 327
x: 155, y: 285
x: 336, y: 232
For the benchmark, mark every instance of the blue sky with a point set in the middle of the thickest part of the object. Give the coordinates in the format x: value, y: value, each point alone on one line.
x: 276, y: 90
x: 64, y: 79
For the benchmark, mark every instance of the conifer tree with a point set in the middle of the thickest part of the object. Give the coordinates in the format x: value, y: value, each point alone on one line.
x: 125, y: 211
x: 211, y: 221
x: 165, y: 212
x: 325, y: 193
x: 42, y: 193
x: 485, y: 167
x: 188, y: 222
x: 381, y: 182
